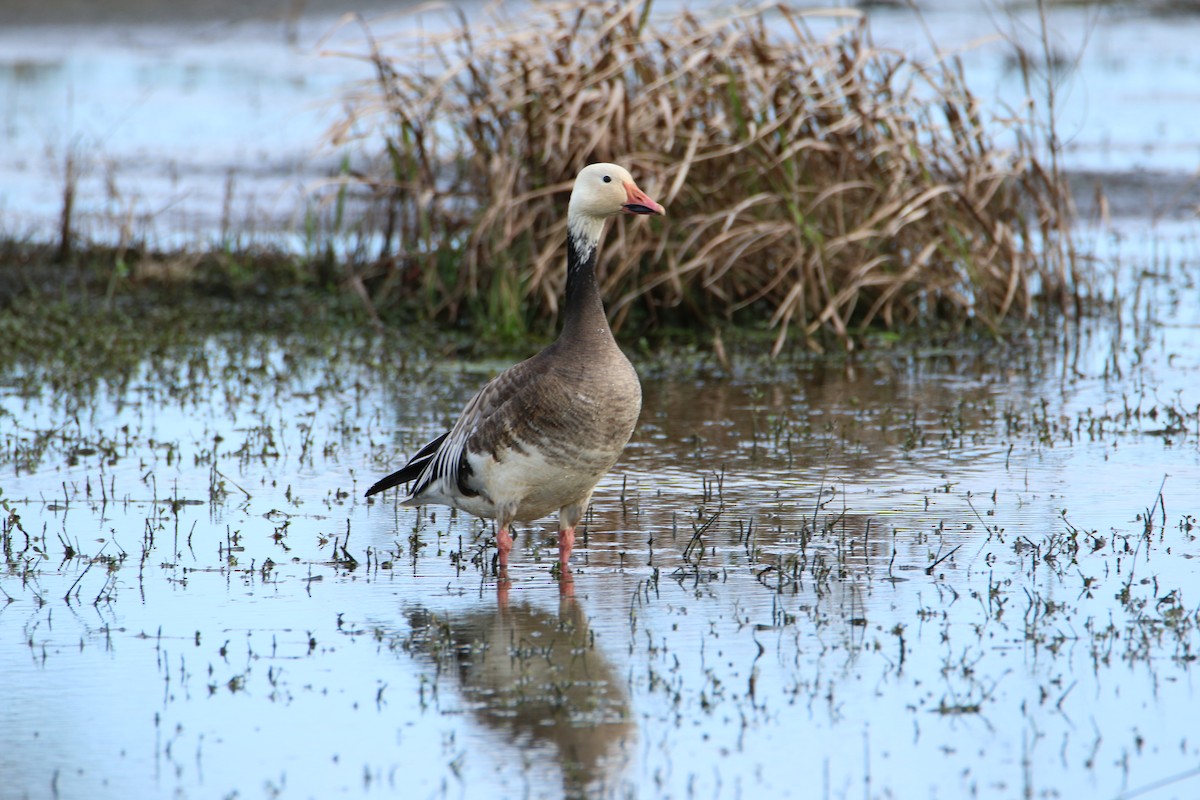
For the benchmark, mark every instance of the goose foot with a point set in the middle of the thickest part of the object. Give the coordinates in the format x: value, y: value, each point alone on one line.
x: 502, y: 587
x: 566, y: 583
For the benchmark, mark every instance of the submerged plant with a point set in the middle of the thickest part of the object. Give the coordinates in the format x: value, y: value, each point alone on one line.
x: 812, y: 180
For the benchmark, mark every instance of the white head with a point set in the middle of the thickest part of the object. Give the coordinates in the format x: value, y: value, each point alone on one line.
x: 602, y: 191
x: 605, y: 190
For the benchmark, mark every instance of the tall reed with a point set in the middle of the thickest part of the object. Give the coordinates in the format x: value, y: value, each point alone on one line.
x: 812, y: 181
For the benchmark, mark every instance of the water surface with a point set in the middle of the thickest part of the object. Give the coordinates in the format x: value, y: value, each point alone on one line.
x: 921, y: 573
x: 187, y: 123
x: 962, y: 570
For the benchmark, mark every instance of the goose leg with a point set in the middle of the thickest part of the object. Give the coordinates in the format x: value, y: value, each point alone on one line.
x: 568, y: 518
x: 504, y: 540
x: 504, y: 544
x: 566, y: 584
x: 566, y: 541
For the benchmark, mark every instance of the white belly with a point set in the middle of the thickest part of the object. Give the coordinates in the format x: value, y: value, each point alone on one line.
x: 538, y: 485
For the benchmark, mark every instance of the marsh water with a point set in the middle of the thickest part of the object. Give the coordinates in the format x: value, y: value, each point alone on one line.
x: 937, y: 572
x: 177, y: 124
x: 954, y: 570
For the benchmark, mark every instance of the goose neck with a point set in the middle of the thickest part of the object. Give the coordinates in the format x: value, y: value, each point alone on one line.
x: 584, y: 309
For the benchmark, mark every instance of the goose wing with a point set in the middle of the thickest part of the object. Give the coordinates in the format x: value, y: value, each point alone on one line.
x: 410, y: 471
x: 489, y: 417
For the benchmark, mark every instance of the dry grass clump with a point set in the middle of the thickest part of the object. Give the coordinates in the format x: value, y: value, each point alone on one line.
x: 813, y: 180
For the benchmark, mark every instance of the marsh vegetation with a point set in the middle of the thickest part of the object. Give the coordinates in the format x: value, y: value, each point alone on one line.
x: 930, y: 561
x: 813, y: 180
x: 819, y: 186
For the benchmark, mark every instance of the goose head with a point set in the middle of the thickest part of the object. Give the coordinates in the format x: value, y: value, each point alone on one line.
x: 605, y: 190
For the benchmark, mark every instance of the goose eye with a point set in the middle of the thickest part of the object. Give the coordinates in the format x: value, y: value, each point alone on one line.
x: 607, y: 179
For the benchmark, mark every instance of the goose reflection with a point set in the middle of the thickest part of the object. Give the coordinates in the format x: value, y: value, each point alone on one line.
x: 536, y: 678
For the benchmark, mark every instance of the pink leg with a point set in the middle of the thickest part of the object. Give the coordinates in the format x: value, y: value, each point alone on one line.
x: 566, y: 540
x: 566, y: 583
x: 504, y: 544
x: 568, y: 518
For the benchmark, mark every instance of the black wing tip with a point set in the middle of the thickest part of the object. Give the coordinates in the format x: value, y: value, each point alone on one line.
x: 384, y: 484
x: 410, y: 471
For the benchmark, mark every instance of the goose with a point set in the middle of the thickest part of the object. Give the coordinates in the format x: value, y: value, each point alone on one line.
x: 539, y: 436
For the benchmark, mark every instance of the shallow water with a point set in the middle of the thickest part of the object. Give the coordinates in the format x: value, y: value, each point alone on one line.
x: 931, y: 573
x: 212, y: 129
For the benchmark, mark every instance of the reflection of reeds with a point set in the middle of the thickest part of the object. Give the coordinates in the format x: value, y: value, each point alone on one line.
x: 818, y: 182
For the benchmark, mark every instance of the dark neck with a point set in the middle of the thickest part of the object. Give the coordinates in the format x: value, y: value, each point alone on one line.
x: 583, y: 310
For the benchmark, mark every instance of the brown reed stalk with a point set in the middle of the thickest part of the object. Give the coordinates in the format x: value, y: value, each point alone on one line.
x: 814, y: 182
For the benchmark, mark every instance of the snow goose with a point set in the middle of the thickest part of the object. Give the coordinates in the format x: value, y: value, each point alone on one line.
x: 540, y: 435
